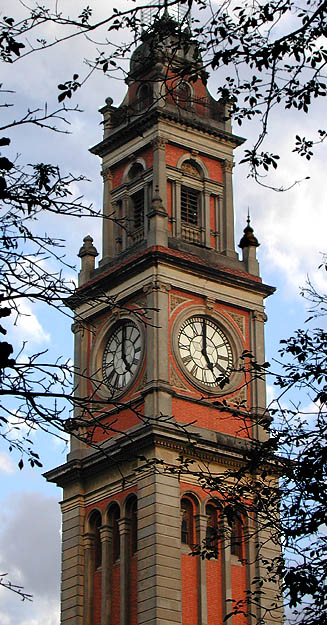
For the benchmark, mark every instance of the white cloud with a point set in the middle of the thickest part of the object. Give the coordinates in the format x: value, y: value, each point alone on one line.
x: 27, y: 327
x: 30, y: 551
x: 6, y: 463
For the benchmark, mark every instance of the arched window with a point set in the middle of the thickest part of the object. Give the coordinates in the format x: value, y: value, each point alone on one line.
x: 114, y: 516
x: 187, y: 522
x: 144, y: 97
x: 236, y: 539
x: 184, y: 96
x: 190, y: 206
x: 212, y: 529
x: 137, y: 209
x: 95, y: 524
x: 132, y: 514
x: 135, y: 171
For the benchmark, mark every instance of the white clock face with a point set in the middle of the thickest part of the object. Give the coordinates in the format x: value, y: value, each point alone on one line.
x: 205, y: 350
x: 122, y: 355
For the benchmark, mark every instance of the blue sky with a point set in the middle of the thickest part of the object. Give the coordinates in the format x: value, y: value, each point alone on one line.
x: 291, y: 228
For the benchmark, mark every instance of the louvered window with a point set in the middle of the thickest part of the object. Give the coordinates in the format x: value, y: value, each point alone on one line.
x: 190, y: 206
x: 138, y: 209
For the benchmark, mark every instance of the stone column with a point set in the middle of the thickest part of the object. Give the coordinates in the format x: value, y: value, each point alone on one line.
x: 178, y: 195
x: 159, y: 550
x: 157, y: 222
x: 206, y: 211
x: 73, y: 596
x: 226, y: 584
x: 89, y: 574
x: 201, y: 521
x: 124, y: 532
x: 125, y: 222
x: 159, y: 168
x: 258, y: 386
x: 217, y: 201
x: 157, y: 390
x: 106, y: 565
x: 254, y: 614
x: 228, y: 242
x: 108, y: 235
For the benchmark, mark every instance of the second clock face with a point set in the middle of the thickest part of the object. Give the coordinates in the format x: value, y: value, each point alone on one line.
x: 205, y: 350
x: 122, y: 355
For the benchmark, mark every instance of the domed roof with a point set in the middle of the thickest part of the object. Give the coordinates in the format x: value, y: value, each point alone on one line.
x: 164, y: 39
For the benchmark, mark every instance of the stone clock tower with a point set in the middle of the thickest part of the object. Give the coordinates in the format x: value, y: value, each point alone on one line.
x: 161, y: 325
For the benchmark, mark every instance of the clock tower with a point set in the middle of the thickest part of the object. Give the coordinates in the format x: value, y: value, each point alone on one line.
x: 161, y: 325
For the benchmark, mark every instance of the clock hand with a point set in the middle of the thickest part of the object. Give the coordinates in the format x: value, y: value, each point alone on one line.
x: 123, y: 352
x: 204, y: 345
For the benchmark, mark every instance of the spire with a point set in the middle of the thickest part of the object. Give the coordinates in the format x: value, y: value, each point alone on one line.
x: 248, y: 239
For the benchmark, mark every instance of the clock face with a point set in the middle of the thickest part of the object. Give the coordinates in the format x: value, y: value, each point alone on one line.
x: 205, y: 351
x: 122, y: 355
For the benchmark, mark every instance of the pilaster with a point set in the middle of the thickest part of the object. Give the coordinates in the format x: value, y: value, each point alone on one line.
x: 228, y: 246
x: 106, y: 565
x: 72, y: 569
x: 258, y: 384
x: 157, y: 390
x: 89, y: 574
x: 124, y: 533
x: 201, y: 521
x: 159, y: 168
x: 108, y: 239
x: 159, y: 569
x: 226, y: 582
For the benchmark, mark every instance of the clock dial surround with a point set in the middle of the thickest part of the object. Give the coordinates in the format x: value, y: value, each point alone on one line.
x: 204, y: 350
x: 122, y: 355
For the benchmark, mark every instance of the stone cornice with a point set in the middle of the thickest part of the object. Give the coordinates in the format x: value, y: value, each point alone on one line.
x: 133, y: 264
x: 221, y: 448
x: 137, y: 127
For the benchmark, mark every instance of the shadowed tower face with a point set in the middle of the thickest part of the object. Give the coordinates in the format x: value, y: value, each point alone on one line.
x: 160, y: 324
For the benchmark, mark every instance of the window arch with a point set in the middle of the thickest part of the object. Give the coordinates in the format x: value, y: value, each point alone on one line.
x: 211, y: 541
x: 95, y: 525
x: 131, y: 510
x: 114, y: 516
x: 135, y: 171
x: 187, y: 522
x: 183, y: 96
x: 144, y: 97
x: 237, y: 537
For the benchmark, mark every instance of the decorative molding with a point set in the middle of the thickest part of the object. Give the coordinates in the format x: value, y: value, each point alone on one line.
x: 228, y: 166
x: 175, y: 301
x: 157, y: 285
x: 190, y: 169
x: 141, y: 384
x: 209, y: 303
x: 107, y: 174
x: 239, y: 320
x: 239, y: 398
x: 159, y: 143
x: 175, y: 379
x: 139, y: 302
x: 78, y: 327
x: 259, y: 316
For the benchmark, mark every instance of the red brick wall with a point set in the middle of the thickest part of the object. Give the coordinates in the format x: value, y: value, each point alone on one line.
x: 174, y: 153
x: 214, y: 592
x: 238, y: 588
